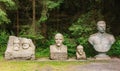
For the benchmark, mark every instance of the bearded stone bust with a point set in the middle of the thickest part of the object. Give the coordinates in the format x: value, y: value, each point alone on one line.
x: 58, y: 51
x: 101, y: 41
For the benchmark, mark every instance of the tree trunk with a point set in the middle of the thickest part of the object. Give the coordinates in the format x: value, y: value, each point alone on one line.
x: 33, y: 23
x: 17, y: 23
x: 44, y: 13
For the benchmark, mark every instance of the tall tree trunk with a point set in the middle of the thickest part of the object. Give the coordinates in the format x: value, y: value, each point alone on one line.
x: 44, y: 13
x: 33, y: 23
x: 17, y: 22
x: 44, y: 29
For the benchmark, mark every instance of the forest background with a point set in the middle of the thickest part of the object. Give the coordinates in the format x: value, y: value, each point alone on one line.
x: 40, y: 20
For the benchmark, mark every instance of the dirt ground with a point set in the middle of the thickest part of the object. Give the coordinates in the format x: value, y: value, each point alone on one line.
x: 112, y: 65
x: 109, y: 65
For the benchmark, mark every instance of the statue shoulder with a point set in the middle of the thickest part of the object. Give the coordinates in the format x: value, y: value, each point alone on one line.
x: 65, y: 46
x: 93, y: 35
x: 52, y: 46
x: 110, y: 35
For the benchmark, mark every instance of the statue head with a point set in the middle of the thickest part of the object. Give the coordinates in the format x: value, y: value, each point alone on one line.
x: 25, y: 43
x: 59, y: 39
x: 101, y: 26
x: 16, y: 44
x: 80, y: 48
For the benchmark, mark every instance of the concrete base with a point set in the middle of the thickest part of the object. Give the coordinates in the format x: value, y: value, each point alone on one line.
x: 102, y: 56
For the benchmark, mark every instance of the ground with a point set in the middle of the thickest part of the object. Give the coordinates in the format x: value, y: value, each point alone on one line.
x: 112, y: 65
x: 44, y: 64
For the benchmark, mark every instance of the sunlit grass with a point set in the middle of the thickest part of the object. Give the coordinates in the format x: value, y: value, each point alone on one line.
x: 22, y: 65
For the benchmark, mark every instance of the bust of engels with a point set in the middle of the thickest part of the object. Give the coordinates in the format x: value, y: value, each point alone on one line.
x: 101, y: 41
x: 58, y: 51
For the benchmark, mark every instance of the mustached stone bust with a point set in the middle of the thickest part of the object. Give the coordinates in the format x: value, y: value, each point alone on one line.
x: 20, y: 48
x: 58, y: 51
x: 101, y: 41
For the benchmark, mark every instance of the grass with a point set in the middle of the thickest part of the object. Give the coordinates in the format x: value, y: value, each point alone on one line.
x: 22, y: 65
x: 35, y: 65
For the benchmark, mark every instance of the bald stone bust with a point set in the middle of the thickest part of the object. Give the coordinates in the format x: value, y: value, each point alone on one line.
x: 58, y: 51
x: 101, y: 41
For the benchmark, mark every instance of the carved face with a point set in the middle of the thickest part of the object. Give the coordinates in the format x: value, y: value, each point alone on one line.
x: 59, y: 39
x: 101, y: 26
x: 80, y: 49
x: 16, y: 44
x: 25, y: 43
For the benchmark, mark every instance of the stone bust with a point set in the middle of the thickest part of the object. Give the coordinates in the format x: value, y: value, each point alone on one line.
x: 58, y: 51
x: 101, y: 41
x: 80, y: 54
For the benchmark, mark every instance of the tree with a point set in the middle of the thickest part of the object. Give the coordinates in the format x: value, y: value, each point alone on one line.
x: 5, y: 4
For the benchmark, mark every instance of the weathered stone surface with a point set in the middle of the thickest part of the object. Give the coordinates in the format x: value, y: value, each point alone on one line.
x: 102, y: 56
x: 101, y: 41
x: 58, y: 56
x: 58, y: 51
x: 80, y: 54
x: 20, y: 48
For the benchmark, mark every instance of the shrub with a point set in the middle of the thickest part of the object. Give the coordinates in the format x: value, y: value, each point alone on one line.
x: 3, y: 41
x: 115, y: 49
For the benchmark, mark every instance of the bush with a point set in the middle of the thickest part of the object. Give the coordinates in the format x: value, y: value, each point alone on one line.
x: 115, y: 49
x: 4, y: 36
x: 71, y: 45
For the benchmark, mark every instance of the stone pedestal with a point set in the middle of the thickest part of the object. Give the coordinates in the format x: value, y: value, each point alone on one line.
x: 102, y: 56
x: 58, y: 56
x: 58, y: 53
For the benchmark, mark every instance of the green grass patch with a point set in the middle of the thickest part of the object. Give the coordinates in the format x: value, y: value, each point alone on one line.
x: 22, y: 65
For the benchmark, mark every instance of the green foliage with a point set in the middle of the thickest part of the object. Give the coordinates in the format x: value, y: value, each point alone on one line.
x: 3, y: 17
x: 42, y: 52
x: 51, y: 4
x: 8, y: 3
x: 43, y: 19
x: 115, y: 49
x: 28, y: 33
x: 48, y: 5
x: 3, y: 41
x: 70, y: 43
